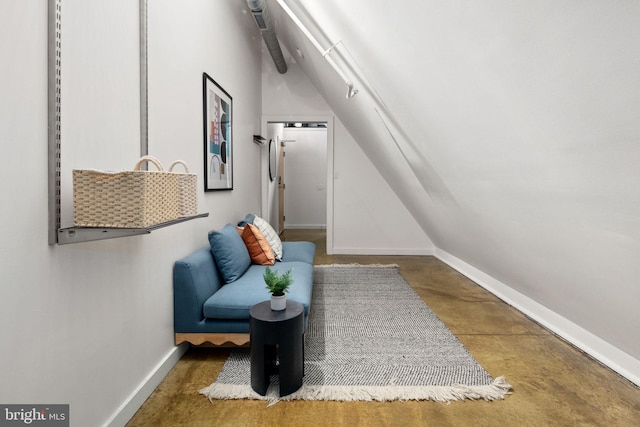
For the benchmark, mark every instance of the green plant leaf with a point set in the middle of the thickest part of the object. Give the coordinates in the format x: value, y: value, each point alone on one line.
x: 276, y: 283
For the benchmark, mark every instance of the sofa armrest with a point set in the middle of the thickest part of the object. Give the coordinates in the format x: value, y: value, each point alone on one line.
x: 298, y: 251
x: 195, y: 279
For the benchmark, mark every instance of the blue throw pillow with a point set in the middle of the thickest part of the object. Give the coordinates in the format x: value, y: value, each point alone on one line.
x: 230, y: 253
x: 247, y: 220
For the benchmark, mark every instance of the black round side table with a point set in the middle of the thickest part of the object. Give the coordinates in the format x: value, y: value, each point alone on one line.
x: 277, y: 335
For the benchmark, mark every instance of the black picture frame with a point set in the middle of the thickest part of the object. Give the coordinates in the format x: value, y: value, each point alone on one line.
x: 218, y: 135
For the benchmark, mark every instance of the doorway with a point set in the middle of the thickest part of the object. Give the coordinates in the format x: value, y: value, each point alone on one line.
x: 301, y: 194
x: 304, y: 175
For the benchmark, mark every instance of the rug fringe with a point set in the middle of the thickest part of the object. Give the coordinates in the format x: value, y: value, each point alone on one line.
x: 494, y: 391
x: 229, y: 392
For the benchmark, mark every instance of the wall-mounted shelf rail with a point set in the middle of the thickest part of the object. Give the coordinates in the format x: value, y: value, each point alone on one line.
x: 57, y: 235
x: 88, y: 234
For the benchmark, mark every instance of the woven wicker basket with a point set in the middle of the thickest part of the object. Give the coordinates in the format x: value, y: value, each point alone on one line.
x: 187, y: 190
x: 127, y: 199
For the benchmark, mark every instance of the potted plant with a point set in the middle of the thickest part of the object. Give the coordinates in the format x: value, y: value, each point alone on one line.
x: 278, y: 285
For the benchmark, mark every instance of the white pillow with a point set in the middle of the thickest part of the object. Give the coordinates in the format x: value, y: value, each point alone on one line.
x: 270, y: 234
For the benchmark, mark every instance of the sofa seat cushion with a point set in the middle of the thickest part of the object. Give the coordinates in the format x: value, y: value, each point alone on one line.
x: 298, y: 251
x: 234, y: 300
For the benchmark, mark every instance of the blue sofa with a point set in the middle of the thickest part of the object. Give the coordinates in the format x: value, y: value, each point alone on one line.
x: 211, y: 310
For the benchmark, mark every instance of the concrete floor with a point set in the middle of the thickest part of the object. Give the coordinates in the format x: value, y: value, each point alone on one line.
x: 554, y: 384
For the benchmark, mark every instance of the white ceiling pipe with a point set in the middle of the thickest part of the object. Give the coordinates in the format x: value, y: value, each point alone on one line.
x: 408, y: 148
x: 351, y: 92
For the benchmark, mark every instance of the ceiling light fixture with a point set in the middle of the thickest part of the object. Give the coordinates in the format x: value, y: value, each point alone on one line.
x: 351, y: 92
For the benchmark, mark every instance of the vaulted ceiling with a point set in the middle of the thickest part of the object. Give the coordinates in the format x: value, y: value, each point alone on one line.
x: 509, y: 129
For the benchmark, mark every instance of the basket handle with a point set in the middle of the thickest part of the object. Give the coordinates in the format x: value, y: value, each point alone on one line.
x: 179, y: 162
x: 151, y: 159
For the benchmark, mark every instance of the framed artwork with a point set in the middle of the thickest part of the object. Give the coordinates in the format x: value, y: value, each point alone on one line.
x: 218, y: 136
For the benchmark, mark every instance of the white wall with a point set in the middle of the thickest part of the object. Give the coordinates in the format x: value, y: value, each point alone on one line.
x: 87, y: 324
x: 218, y: 38
x: 367, y: 227
x: 305, y: 177
x: 521, y: 125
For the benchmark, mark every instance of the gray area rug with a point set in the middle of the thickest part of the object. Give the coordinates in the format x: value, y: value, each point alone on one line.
x: 370, y: 337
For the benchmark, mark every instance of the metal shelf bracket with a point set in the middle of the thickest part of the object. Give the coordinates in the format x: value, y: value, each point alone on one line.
x: 88, y: 234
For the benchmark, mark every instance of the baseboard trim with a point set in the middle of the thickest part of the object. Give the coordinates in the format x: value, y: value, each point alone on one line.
x: 131, y: 405
x: 384, y: 251
x: 599, y: 349
x: 305, y: 226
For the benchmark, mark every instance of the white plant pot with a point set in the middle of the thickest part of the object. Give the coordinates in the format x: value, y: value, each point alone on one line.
x: 278, y: 303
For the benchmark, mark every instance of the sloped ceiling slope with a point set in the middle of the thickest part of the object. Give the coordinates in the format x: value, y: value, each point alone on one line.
x: 510, y: 130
